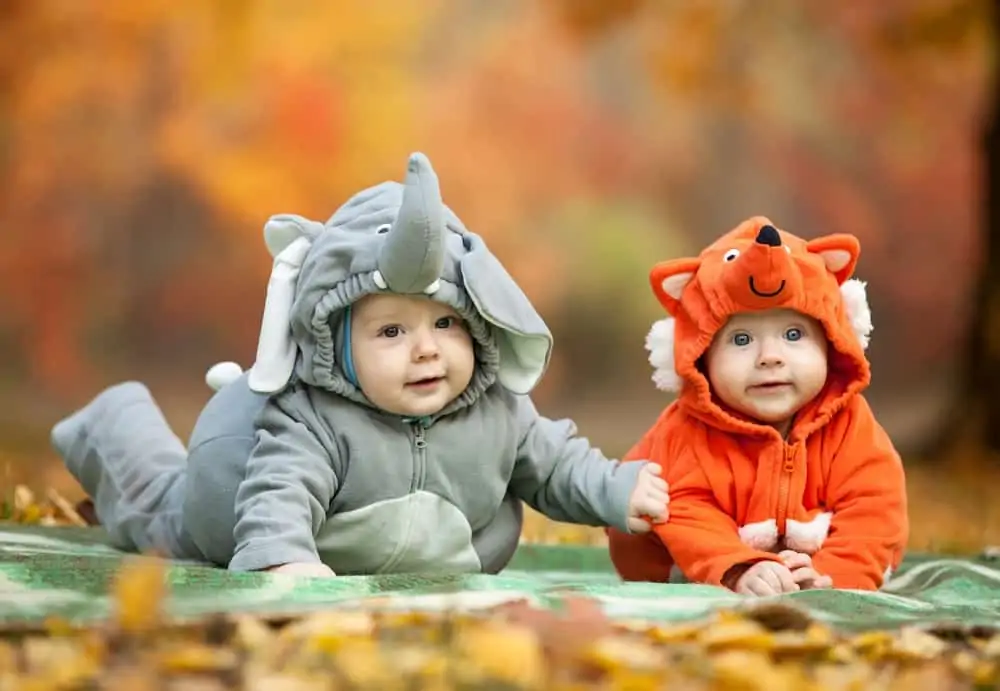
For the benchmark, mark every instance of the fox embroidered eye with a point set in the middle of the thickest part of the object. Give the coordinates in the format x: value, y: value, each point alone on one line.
x: 384, y: 228
x: 730, y: 255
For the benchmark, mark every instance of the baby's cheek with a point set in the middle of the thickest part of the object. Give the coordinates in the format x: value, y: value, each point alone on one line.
x: 461, y: 346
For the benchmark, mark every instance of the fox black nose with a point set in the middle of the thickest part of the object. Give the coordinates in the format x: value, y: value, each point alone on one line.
x: 768, y: 235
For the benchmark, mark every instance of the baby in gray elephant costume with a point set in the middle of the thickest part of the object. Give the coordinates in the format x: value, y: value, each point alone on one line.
x: 384, y: 427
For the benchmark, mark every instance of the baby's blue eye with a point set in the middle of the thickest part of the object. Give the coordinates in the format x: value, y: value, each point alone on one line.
x: 444, y: 322
x: 794, y: 334
x: 741, y: 339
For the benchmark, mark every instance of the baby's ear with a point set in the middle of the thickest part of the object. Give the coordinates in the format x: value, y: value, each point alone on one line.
x: 670, y: 278
x: 839, y: 252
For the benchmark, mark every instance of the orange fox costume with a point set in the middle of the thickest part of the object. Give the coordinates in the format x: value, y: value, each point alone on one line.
x: 739, y: 492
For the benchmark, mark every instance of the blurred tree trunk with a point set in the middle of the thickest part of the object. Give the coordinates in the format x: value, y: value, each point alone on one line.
x: 982, y: 384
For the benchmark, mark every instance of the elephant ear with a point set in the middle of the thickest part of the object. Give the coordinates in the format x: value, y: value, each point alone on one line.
x: 288, y: 238
x: 523, y: 340
x: 281, y: 230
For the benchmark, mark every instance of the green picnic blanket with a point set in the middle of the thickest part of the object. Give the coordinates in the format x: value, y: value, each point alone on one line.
x: 65, y: 573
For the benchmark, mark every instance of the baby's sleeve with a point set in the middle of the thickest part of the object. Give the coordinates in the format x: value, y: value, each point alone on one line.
x: 290, y: 481
x: 703, y: 539
x: 867, y: 496
x: 561, y: 475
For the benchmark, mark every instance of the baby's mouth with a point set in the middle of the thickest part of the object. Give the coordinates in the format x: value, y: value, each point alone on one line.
x: 425, y: 382
x: 770, y: 386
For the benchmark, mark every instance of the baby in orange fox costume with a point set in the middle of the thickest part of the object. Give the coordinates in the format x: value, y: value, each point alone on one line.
x: 780, y: 477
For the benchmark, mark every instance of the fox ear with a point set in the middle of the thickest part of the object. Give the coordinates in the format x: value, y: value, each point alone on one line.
x: 669, y: 279
x: 839, y: 252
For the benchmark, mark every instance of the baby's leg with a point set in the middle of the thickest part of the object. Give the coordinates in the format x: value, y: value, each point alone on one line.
x: 215, y: 468
x: 220, y: 446
x: 121, y: 450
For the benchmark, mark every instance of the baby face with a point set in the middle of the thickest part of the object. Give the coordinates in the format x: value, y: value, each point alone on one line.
x: 768, y: 365
x: 412, y: 356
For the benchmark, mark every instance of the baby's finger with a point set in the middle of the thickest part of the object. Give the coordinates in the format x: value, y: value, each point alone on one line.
x: 788, y: 584
x: 772, y: 580
x: 657, y: 497
x: 806, y: 574
x: 650, y: 503
x: 649, y: 508
x: 823, y: 582
x: 761, y: 587
x: 655, y: 514
x: 658, y: 514
x: 795, y: 560
x: 639, y: 525
x: 786, y: 553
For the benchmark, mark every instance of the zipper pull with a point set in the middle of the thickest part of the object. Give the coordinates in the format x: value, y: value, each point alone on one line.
x: 789, y: 459
x: 420, y: 442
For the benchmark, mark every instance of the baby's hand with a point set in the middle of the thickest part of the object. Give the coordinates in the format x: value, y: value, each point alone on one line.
x: 803, y: 572
x: 649, y: 499
x: 766, y: 578
x: 312, y: 569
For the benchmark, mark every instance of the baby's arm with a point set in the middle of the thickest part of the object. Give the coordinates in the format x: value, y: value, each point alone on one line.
x: 283, y: 500
x: 564, y: 477
x: 867, y: 495
x: 703, y: 540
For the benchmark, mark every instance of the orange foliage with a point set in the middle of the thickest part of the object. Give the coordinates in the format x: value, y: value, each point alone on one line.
x: 251, y: 109
x: 835, y: 116
x: 512, y: 140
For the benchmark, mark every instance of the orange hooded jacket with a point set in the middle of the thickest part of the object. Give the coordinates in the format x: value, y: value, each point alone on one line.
x: 739, y: 492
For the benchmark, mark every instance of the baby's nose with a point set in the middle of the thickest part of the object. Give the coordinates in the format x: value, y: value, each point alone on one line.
x: 425, y: 345
x: 771, y: 354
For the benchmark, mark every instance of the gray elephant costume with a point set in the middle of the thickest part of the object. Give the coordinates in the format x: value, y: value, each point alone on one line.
x: 290, y: 462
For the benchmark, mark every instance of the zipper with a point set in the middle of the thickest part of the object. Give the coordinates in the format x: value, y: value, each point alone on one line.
x: 784, y: 480
x: 420, y: 456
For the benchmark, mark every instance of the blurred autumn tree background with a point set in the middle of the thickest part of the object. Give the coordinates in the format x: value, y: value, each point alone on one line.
x: 144, y: 144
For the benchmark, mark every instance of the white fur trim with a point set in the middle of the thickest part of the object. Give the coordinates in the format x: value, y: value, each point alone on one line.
x: 855, y: 296
x: 660, y: 339
x: 275, y: 349
x: 222, y: 374
x: 660, y: 344
x: 762, y: 535
x: 807, y: 537
x: 433, y: 287
x: 379, y: 280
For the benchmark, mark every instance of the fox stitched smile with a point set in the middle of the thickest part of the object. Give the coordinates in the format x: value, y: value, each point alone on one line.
x: 763, y: 294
